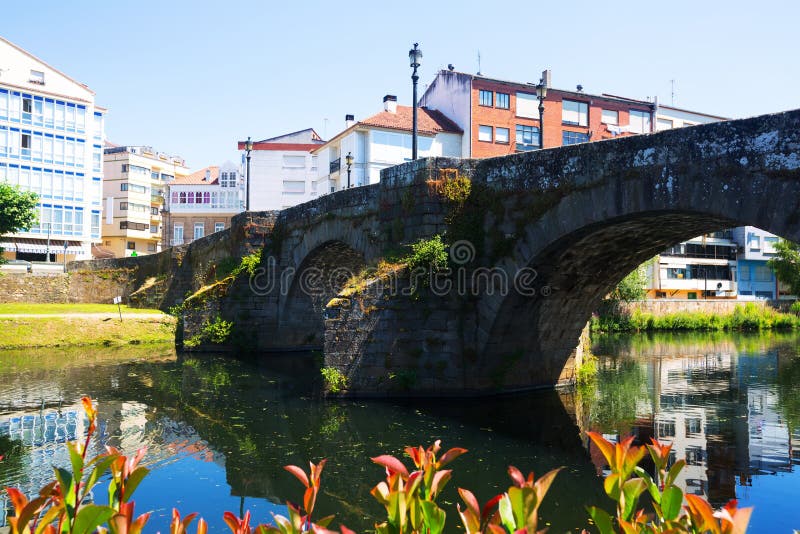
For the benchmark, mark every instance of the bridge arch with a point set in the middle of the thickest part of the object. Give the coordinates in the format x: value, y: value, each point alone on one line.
x: 594, y: 236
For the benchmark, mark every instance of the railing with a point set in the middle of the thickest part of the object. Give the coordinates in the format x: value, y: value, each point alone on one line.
x: 156, y: 199
x: 336, y: 165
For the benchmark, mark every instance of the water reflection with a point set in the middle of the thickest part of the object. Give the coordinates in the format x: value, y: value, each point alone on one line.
x: 218, y: 430
x: 726, y: 403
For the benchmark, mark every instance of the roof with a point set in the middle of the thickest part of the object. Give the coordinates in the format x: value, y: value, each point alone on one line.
x: 429, y: 121
x: 199, y: 177
x: 73, y: 80
x: 309, y: 135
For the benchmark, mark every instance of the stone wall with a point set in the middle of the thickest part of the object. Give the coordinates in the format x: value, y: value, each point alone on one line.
x: 98, y: 286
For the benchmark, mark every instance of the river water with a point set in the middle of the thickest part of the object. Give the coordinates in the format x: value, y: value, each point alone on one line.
x: 218, y: 430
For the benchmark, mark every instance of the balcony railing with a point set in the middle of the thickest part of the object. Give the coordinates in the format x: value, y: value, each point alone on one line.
x: 336, y: 165
x: 156, y: 199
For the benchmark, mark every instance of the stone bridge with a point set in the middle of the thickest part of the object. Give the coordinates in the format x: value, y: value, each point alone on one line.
x: 537, y: 240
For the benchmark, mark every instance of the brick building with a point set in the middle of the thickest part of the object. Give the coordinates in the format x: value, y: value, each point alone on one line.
x: 502, y: 117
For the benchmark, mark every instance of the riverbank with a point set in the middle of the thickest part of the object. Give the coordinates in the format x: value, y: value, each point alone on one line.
x: 64, y: 325
x: 746, y: 317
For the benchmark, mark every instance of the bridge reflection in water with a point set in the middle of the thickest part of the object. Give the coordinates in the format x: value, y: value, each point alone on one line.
x: 218, y: 430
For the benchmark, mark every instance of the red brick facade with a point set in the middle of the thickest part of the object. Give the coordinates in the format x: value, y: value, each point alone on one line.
x: 484, y: 115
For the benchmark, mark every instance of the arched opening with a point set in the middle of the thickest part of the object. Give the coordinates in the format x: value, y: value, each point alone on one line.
x: 532, y: 337
x: 318, y: 279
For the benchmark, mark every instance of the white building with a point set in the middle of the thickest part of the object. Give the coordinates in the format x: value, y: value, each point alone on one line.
x: 203, y: 202
x: 51, y: 143
x: 383, y: 140
x: 283, y: 171
x: 669, y: 117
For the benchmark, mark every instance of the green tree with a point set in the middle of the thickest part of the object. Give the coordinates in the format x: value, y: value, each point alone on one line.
x: 632, y: 287
x: 786, y: 264
x: 17, y: 209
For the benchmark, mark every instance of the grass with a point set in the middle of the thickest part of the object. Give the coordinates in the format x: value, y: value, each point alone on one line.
x: 65, y: 331
x: 59, y: 309
x: 748, y: 318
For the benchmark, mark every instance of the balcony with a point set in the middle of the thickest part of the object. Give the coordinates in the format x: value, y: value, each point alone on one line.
x: 336, y: 165
x: 156, y: 199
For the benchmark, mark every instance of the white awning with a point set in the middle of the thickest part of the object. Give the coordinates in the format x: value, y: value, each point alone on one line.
x: 39, y: 246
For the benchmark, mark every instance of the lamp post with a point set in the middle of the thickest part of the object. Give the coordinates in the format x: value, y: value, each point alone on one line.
x: 541, y: 93
x: 248, y: 146
x: 47, y: 259
x: 415, y: 58
x: 349, y: 161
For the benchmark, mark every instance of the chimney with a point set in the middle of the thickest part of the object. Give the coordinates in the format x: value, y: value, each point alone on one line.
x: 579, y: 88
x: 450, y: 67
x: 547, y: 78
x: 390, y: 103
x: 349, y: 120
x: 207, y: 177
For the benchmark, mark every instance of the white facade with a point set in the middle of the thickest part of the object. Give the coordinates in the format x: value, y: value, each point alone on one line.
x: 382, y: 141
x: 451, y: 93
x: 668, y: 117
x: 281, y: 178
x: 283, y: 172
x: 51, y: 143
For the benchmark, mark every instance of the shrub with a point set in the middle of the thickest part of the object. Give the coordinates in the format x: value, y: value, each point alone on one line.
x: 428, y: 254
x: 335, y: 381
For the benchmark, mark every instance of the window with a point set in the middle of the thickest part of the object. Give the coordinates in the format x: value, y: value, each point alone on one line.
x: 294, y: 161
x: 527, y: 105
x: 123, y: 186
x: 177, y: 234
x: 218, y: 227
x: 485, y: 133
x: 639, y: 121
x: 501, y: 135
x: 676, y: 273
x: 485, y: 98
x: 664, y: 124
x: 691, y: 295
x: 754, y: 241
x: 151, y: 247
x: 744, y: 272
x: 575, y: 113
x: 527, y: 137
x: 769, y: 245
x: 693, y: 425
x: 294, y: 186
x: 502, y: 100
x: 131, y: 245
x: 37, y: 76
x: 574, y: 138
x: 199, y: 230
x: 153, y: 211
x: 763, y: 273
x: 228, y: 179
x: 123, y: 206
x: 695, y: 456
x: 153, y: 228
x: 666, y: 429
x: 610, y: 117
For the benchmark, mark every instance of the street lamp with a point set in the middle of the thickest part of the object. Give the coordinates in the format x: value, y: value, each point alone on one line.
x: 415, y: 58
x: 349, y: 161
x: 541, y: 93
x: 248, y: 146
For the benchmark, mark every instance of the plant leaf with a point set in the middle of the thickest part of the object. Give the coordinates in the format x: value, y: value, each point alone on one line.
x: 392, y: 464
x: 298, y: 473
x: 134, y: 479
x: 89, y: 517
x: 434, y: 517
x: 470, y: 500
x: 450, y: 455
x: 601, y: 519
x: 543, y: 484
x: 605, y: 446
x: 671, y: 501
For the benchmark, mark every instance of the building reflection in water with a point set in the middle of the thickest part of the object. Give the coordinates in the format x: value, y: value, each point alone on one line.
x: 718, y: 407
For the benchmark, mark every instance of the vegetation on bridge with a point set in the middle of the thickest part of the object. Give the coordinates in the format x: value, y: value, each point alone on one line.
x: 411, y: 498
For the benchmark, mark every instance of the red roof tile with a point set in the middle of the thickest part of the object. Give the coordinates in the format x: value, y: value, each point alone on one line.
x: 429, y: 121
x: 199, y: 177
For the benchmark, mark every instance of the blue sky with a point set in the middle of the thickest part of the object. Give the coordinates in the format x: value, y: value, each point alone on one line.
x: 192, y: 77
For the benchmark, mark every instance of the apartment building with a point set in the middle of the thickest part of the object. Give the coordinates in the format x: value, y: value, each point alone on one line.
x: 283, y: 170
x: 202, y: 203
x: 134, y: 192
x: 755, y: 278
x: 380, y: 141
x: 500, y: 117
x: 51, y: 137
x: 701, y: 268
